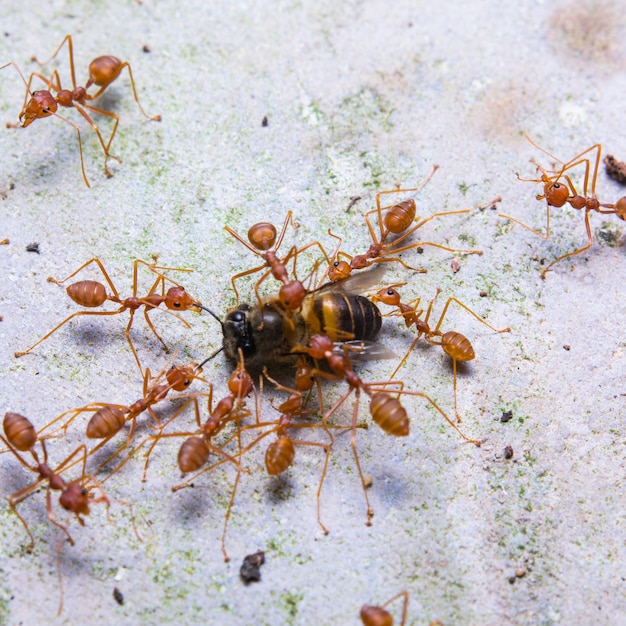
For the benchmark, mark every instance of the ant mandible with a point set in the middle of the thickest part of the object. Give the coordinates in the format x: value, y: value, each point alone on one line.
x: 89, y: 293
x: 40, y: 104
x: 557, y: 194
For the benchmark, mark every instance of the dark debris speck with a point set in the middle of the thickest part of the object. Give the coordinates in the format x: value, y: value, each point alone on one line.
x: 251, y: 568
x: 118, y: 596
x: 615, y: 169
x: 507, y: 416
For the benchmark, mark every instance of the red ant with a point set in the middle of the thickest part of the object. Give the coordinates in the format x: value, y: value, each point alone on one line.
x: 379, y: 616
x: 263, y: 242
x: 75, y: 496
x: 280, y: 454
x: 89, y: 293
x: 40, y: 104
x: 454, y: 344
x: 557, y: 194
x: 195, y: 450
x: 386, y: 410
x: 397, y: 220
x: 108, y: 419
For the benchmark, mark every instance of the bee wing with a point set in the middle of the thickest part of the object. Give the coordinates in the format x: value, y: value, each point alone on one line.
x: 364, y: 350
x: 354, y: 284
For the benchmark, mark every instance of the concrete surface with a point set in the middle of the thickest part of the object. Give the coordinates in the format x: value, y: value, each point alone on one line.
x: 359, y: 97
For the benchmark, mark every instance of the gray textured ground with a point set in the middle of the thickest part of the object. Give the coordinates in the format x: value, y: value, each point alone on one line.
x: 358, y: 97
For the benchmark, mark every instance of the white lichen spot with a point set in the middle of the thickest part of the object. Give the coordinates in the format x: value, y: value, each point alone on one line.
x: 119, y: 575
x: 311, y: 113
x: 572, y: 114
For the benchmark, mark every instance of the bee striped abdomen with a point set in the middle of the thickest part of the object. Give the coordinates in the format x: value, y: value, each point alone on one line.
x: 343, y: 317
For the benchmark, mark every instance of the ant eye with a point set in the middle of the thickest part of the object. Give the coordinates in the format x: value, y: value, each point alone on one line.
x: 177, y: 304
x: 390, y: 292
x: 336, y: 263
x: 557, y: 186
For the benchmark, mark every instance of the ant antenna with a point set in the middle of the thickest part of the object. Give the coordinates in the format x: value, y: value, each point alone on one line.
x: 199, y: 367
x: 213, y: 314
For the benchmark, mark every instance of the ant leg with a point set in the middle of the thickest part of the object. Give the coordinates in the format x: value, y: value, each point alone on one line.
x: 95, y: 128
x: 67, y: 39
x: 247, y: 273
x: 565, y: 256
x: 80, y: 146
x: 370, y: 511
x: 476, y: 316
x: 159, y: 435
x: 405, y: 605
x: 126, y: 64
x: 95, y: 260
x: 434, y: 404
x: 405, y: 357
x: 52, y: 519
x: 67, y: 319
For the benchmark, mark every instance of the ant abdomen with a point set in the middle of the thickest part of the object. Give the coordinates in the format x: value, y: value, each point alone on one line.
x: 400, y: 216
x: 389, y: 414
x: 19, y: 431
x: 262, y: 235
x: 193, y: 454
x: 457, y: 346
x: 279, y: 455
x: 104, y: 70
x: 89, y: 293
x: 375, y: 616
x: 106, y: 422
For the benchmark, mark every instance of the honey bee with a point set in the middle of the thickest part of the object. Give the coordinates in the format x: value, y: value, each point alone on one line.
x: 268, y: 332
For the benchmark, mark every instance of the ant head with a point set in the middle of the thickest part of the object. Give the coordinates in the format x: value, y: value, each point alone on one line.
x: 41, y: 104
x: 180, y: 377
x: 292, y: 295
x: 620, y: 208
x: 262, y: 235
x: 339, y: 270
x: 554, y: 192
x: 388, y: 295
x: 319, y: 345
x: 240, y: 382
x: 178, y: 299
x: 75, y: 499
